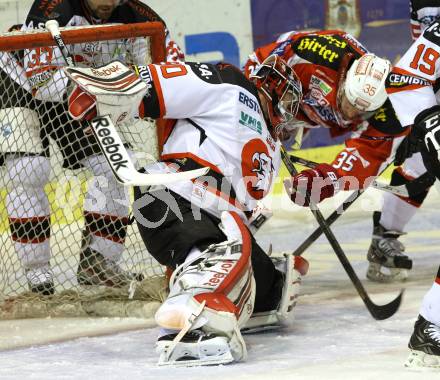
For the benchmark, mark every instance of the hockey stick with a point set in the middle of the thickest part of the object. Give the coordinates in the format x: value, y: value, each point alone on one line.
x: 379, y: 312
x: 401, y: 190
x: 111, y: 143
x: 413, y: 188
x: 329, y: 221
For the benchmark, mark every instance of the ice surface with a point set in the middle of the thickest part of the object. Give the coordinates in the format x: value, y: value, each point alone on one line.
x: 332, y: 337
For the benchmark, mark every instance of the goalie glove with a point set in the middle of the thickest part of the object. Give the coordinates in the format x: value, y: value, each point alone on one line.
x: 426, y: 130
x: 313, y: 184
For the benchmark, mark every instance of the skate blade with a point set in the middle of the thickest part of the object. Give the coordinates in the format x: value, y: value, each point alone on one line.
x: 260, y: 329
x: 421, y: 361
x: 262, y: 321
x: 197, y: 362
x: 379, y: 273
x: 215, y: 352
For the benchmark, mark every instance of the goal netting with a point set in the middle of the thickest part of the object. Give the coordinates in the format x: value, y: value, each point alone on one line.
x: 30, y: 124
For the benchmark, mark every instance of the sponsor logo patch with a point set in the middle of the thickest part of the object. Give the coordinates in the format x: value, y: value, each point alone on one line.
x: 248, y: 102
x: 40, y: 79
x: 103, y: 133
x: 145, y: 75
x: 318, y: 83
x: 108, y: 71
x: 250, y: 122
x: 381, y: 115
x: 399, y: 80
x: 324, y: 46
x: 257, y: 168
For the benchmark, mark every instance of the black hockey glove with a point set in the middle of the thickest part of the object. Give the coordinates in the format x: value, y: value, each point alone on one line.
x: 427, y: 127
x: 411, y: 144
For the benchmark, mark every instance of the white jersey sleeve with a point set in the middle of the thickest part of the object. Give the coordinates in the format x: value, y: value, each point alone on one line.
x: 410, y: 85
x: 186, y: 90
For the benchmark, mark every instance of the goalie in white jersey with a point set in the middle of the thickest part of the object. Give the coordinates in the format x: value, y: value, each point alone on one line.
x: 412, y: 90
x: 199, y: 228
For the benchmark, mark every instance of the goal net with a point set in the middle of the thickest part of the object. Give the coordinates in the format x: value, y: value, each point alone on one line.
x: 34, y: 122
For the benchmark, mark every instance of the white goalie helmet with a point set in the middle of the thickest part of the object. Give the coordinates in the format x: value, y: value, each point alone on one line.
x: 365, y: 82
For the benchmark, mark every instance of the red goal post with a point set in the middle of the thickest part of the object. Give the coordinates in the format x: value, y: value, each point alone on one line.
x: 73, y: 35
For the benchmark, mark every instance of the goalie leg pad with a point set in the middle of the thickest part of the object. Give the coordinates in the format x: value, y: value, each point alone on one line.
x: 293, y: 268
x: 212, y: 292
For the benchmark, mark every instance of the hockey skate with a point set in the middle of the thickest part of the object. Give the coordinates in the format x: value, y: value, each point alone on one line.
x: 95, y: 269
x: 424, y: 345
x: 211, y: 297
x: 194, y: 348
x: 292, y: 268
x: 40, y: 281
x: 387, y: 261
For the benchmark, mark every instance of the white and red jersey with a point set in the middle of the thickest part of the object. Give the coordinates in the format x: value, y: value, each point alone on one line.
x: 42, y: 64
x: 219, y: 124
x: 413, y: 83
x: 423, y: 14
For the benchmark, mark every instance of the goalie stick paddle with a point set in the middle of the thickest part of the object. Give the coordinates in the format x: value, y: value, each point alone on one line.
x: 111, y: 144
x: 378, y: 312
x: 119, y: 160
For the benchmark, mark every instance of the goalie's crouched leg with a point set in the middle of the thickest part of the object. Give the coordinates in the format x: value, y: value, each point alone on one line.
x: 211, y: 298
x: 174, y: 237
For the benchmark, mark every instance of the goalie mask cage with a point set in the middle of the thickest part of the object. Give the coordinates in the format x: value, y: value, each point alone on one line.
x: 26, y: 122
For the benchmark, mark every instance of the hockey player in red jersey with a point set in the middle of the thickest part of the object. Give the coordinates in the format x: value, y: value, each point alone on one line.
x: 27, y: 204
x: 344, y: 90
x: 222, y: 280
x: 411, y: 88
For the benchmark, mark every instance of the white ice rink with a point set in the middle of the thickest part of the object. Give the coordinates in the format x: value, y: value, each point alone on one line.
x: 332, y: 337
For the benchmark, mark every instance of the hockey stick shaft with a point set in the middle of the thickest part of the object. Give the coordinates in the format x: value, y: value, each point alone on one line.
x: 377, y: 311
x: 111, y: 143
x: 401, y: 190
x: 53, y: 27
x: 352, y: 198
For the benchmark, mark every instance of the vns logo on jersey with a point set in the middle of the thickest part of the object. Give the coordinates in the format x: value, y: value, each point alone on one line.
x: 257, y: 168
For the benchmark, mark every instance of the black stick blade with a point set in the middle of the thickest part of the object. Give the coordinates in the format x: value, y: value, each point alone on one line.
x: 381, y: 312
